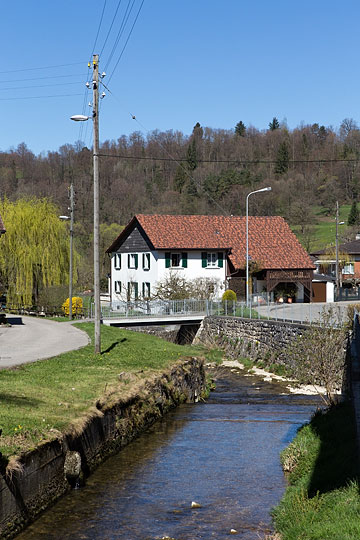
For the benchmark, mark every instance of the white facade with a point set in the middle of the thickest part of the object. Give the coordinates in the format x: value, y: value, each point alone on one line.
x: 134, y: 275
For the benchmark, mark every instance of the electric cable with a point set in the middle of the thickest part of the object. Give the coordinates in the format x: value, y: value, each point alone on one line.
x: 98, y: 30
x: 37, y: 68
x: 111, y: 25
x: 120, y: 32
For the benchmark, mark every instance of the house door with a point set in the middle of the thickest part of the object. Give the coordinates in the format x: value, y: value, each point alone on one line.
x: 318, y: 292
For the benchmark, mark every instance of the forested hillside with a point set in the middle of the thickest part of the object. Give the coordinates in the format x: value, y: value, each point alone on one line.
x: 210, y: 171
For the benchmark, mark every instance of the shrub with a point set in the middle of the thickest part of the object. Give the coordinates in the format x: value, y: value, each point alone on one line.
x: 229, y: 295
x: 77, y: 306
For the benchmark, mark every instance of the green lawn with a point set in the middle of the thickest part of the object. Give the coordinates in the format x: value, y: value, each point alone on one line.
x: 324, y: 228
x: 52, y: 394
x: 322, y: 501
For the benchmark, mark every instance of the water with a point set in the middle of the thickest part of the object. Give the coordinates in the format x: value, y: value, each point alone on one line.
x: 223, y: 454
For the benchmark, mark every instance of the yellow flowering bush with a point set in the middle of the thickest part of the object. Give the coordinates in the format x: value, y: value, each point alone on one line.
x: 77, y: 306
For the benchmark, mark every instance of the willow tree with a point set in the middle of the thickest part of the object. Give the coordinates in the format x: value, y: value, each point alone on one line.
x: 34, y: 252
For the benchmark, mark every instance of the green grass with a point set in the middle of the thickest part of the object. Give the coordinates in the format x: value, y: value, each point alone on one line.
x: 51, y: 394
x: 322, y: 501
x: 325, y: 227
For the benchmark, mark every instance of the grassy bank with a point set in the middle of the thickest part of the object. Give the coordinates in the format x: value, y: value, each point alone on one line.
x: 39, y: 399
x: 322, y: 501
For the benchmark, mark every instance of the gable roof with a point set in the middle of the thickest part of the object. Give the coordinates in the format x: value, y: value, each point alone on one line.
x: 271, y: 242
x: 352, y: 248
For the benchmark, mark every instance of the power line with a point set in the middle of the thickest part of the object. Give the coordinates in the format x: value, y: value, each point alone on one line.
x: 111, y: 25
x: 233, y: 161
x: 38, y: 97
x: 36, y: 68
x: 97, y: 34
x: 43, y: 78
x: 127, y: 40
x: 121, y: 30
x: 37, y: 86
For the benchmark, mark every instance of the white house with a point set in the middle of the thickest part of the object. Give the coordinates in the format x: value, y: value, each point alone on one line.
x: 152, y: 246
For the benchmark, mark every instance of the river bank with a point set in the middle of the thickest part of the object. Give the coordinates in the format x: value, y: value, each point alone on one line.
x: 222, y: 453
x: 65, y: 415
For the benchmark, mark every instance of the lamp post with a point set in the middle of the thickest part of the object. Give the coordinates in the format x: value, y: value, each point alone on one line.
x: 247, y: 239
x: 95, y: 118
x: 71, y: 218
x: 337, y: 280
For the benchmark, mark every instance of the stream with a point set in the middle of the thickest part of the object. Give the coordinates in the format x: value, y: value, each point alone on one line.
x: 222, y: 454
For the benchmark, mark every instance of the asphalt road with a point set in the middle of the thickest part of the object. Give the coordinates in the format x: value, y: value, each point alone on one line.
x: 29, y: 339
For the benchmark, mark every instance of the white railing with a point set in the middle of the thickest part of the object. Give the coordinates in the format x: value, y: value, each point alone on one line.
x: 260, y: 308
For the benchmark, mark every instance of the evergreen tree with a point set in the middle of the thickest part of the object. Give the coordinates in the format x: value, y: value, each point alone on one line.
x: 282, y: 159
x: 180, y: 179
x: 240, y: 129
x: 191, y: 156
x: 274, y: 124
x: 353, y: 218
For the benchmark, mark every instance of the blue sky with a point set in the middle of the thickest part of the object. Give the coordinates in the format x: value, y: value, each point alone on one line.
x: 187, y: 61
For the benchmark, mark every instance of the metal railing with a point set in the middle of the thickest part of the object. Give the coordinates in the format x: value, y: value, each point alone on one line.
x: 260, y: 308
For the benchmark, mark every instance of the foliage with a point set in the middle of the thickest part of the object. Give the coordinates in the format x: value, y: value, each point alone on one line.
x: 35, y: 249
x: 77, y: 306
x: 240, y: 129
x: 317, y: 357
x: 274, y: 124
x: 322, y: 500
x: 353, y: 218
x: 175, y: 287
x: 229, y: 295
x: 282, y: 159
x: 53, y: 296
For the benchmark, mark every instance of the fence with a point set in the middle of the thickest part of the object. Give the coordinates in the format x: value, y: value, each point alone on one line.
x: 259, y: 308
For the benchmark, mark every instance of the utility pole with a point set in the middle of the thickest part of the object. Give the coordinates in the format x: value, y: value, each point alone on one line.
x: 96, y: 203
x: 71, y: 208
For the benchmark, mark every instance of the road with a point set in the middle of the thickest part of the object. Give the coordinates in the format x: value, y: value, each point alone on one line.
x: 307, y: 313
x: 29, y: 339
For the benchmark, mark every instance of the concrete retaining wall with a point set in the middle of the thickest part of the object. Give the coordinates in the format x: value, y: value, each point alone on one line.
x: 48, y: 472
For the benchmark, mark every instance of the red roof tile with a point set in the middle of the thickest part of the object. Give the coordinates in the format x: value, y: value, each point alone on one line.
x: 271, y: 242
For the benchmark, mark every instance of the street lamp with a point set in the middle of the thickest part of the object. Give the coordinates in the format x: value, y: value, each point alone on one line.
x: 95, y: 118
x: 247, y: 239
x: 337, y: 280
x: 71, y: 218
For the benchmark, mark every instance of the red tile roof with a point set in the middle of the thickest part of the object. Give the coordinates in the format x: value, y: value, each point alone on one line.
x: 271, y: 242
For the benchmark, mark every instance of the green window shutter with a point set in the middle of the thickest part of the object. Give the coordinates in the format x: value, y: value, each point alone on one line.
x: 136, y: 261
x: 129, y: 291
x: 167, y: 259
x: 184, y: 260
x: 143, y: 260
x: 148, y: 260
x: 136, y: 290
x: 204, y: 259
x: 143, y: 290
x: 220, y: 259
x: 129, y: 259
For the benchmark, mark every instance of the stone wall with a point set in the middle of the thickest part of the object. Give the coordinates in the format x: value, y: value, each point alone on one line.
x: 49, y: 471
x: 255, y: 339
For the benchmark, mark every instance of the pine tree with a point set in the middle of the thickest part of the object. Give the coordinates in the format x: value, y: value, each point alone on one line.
x: 240, y: 129
x: 274, y: 124
x: 191, y: 156
x: 353, y: 218
x: 282, y: 159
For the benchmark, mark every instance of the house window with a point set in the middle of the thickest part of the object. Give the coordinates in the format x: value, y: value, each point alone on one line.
x: 212, y: 259
x: 146, y: 261
x: 117, y: 261
x: 133, y: 291
x: 118, y: 287
x: 348, y: 268
x: 133, y: 260
x: 176, y: 260
x: 146, y: 290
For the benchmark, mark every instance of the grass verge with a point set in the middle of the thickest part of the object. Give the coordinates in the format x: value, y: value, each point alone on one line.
x: 322, y: 500
x: 40, y: 399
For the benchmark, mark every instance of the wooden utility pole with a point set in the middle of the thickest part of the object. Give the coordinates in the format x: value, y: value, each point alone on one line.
x: 96, y: 203
x: 337, y: 249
